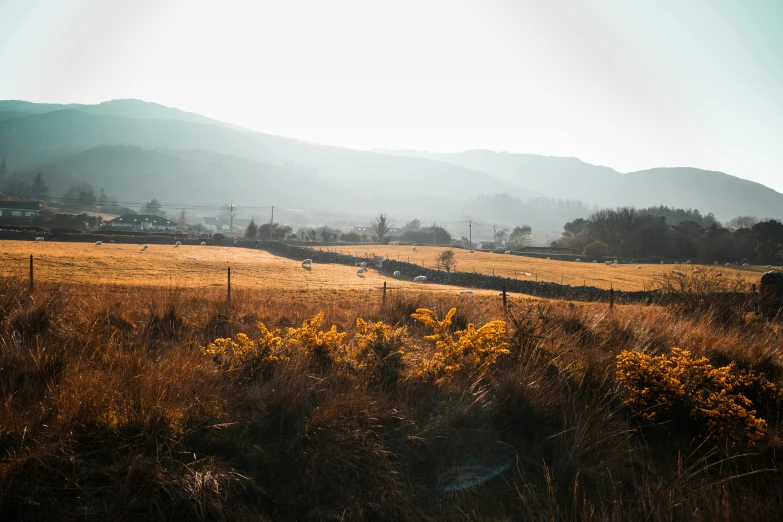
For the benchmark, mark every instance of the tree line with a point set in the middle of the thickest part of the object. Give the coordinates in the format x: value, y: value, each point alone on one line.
x: 663, y: 233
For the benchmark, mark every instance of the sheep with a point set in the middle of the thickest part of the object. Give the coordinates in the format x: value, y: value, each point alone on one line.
x: 769, y: 266
x: 578, y: 261
x: 745, y: 264
x: 595, y: 260
x: 396, y: 274
x: 677, y: 272
x: 363, y: 264
x: 98, y: 243
x: 413, y: 248
x: 360, y: 272
x: 614, y: 262
x: 203, y: 243
x: 638, y: 267
x: 508, y: 251
x: 727, y: 264
x: 607, y: 263
x: 145, y: 247
x: 688, y: 262
x: 661, y: 262
x: 695, y: 272
x: 192, y: 258
x: 38, y: 239
x: 471, y: 252
x: 549, y: 259
x: 466, y: 292
x: 307, y: 263
x: 179, y: 243
x: 112, y: 241
x: 420, y: 279
x: 719, y: 274
x: 715, y: 263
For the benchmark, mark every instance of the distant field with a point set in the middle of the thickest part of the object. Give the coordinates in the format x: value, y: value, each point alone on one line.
x: 186, y: 267
x: 620, y: 277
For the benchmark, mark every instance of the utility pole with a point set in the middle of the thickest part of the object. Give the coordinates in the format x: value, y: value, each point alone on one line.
x: 470, y: 234
x: 231, y: 215
x: 271, y: 222
x: 434, y: 228
x: 494, y: 236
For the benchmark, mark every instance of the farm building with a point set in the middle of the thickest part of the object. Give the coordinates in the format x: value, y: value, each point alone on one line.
x: 216, y: 223
x: 18, y: 210
x: 141, y: 222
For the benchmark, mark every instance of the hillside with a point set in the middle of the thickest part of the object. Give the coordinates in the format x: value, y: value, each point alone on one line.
x: 570, y: 178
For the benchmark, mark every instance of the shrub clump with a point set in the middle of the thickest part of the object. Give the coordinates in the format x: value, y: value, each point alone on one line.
x: 682, y: 387
x: 381, y: 350
x: 325, y: 345
x: 248, y: 357
x: 472, y: 348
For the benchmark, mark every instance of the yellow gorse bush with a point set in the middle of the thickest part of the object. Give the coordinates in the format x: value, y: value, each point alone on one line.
x: 716, y: 399
x: 472, y: 347
x: 326, y: 345
x: 246, y: 355
x: 381, y: 350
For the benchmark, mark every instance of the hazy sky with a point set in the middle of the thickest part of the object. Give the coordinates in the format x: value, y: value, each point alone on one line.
x: 625, y: 83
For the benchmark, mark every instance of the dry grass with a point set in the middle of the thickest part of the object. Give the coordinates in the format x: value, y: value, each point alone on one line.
x: 109, y: 409
x: 620, y: 277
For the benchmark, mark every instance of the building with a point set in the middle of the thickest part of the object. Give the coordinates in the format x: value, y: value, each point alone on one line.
x: 19, y: 210
x: 215, y: 223
x: 142, y: 222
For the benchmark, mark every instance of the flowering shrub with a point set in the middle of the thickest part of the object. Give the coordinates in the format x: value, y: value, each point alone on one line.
x: 326, y: 346
x: 381, y: 350
x: 246, y: 356
x: 472, y: 348
x: 715, y: 399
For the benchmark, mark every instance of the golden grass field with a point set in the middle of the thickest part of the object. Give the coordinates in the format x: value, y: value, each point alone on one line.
x: 620, y: 277
x: 187, y: 266
x: 190, y: 266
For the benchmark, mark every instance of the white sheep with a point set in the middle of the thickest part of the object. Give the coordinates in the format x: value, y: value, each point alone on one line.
x: 179, y: 243
x: 745, y: 264
x: 466, y: 292
x: 508, y: 251
x: 363, y: 264
x: 396, y: 274
x: 578, y: 260
x: 719, y: 274
x: 661, y: 262
x: 192, y: 258
x: 145, y: 247
x: 727, y: 264
x: 203, y: 243
x: 307, y: 263
x: 769, y: 266
x: 38, y: 239
x: 614, y: 262
x: 595, y: 260
x: 360, y: 272
x: 688, y: 262
x: 420, y: 279
x: 98, y: 243
x: 607, y: 263
x: 414, y: 249
x: 715, y: 263
x: 549, y: 259
x: 471, y: 252
x: 677, y: 272
x: 638, y: 267
x: 695, y: 272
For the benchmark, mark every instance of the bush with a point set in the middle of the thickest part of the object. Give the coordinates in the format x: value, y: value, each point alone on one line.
x: 472, y: 349
x: 682, y: 387
x: 446, y: 261
x: 597, y: 250
x: 381, y: 350
x: 245, y: 356
x: 326, y: 346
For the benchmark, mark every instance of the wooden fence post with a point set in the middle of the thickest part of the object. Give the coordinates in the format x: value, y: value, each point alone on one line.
x: 31, y: 271
x: 229, y: 284
x: 384, y: 293
x: 505, y: 304
x: 611, y: 298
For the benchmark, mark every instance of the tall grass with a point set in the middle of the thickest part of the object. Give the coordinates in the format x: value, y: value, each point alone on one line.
x: 111, y: 409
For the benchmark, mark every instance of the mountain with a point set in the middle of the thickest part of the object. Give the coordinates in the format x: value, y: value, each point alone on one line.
x: 570, y: 178
x: 145, y: 150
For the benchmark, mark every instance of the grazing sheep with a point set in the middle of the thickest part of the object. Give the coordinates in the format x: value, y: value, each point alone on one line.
x: 203, y: 243
x: 614, y: 262
x: 363, y: 264
x: 420, y: 279
x: 695, y: 272
x: 715, y: 263
x: 471, y: 251
x: 578, y: 261
x: 688, y: 262
x: 112, y: 241
x: 745, y: 264
x: 307, y: 263
x: 145, y: 247
x: 607, y: 263
x: 677, y: 272
x: 595, y: 260
x: 98, y: 243
x: 38, y: 239
x: 360, y: 272
x: 549, y: 259
x: 192, y: 258
x: 638, y: 267
x: 507, y: 252
x: 396, y: 274
x: 413, y: 248
x: 769, y: 266
x: 719, y: 274
x: 661, y: 262
x: 179, y: 243
x: 728, y: 264
x: 466, y: 292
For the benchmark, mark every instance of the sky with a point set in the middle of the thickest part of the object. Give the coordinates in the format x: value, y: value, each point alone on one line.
x: 627, y: 84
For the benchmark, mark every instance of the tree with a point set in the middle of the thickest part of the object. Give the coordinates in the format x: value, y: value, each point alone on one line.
x: 39, y: 188
x: 275, y: 231
x: 520, y: 235
x: 412, y: 226
x: 741, y: 223
x: 350, y: 237
x: 597, y: 250
x: 154, y: 208
x: 252, y: 229
x: 182, y: 218
x: 327, y: 234
x: 381, y: 227
x: 501, y: 236
x: 446, y: 260
x: 82, y: 196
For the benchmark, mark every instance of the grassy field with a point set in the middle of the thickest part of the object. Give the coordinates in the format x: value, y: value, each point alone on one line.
x: 185, y: 267
x: 116, y: 404
x: 620, y: 277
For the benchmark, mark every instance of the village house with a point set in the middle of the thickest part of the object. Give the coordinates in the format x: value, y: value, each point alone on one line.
x: 11, y: 211
x: 142, y: 222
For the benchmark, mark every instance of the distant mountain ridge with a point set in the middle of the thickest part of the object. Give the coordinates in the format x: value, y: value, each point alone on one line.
x: 142, y: 148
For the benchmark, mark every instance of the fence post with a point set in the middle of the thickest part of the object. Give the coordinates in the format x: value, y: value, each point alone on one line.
x: 505, y: 305
x: 31, y: 271
x: 611, y: 298
x: 384, y: 293
x: 229, y: 284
